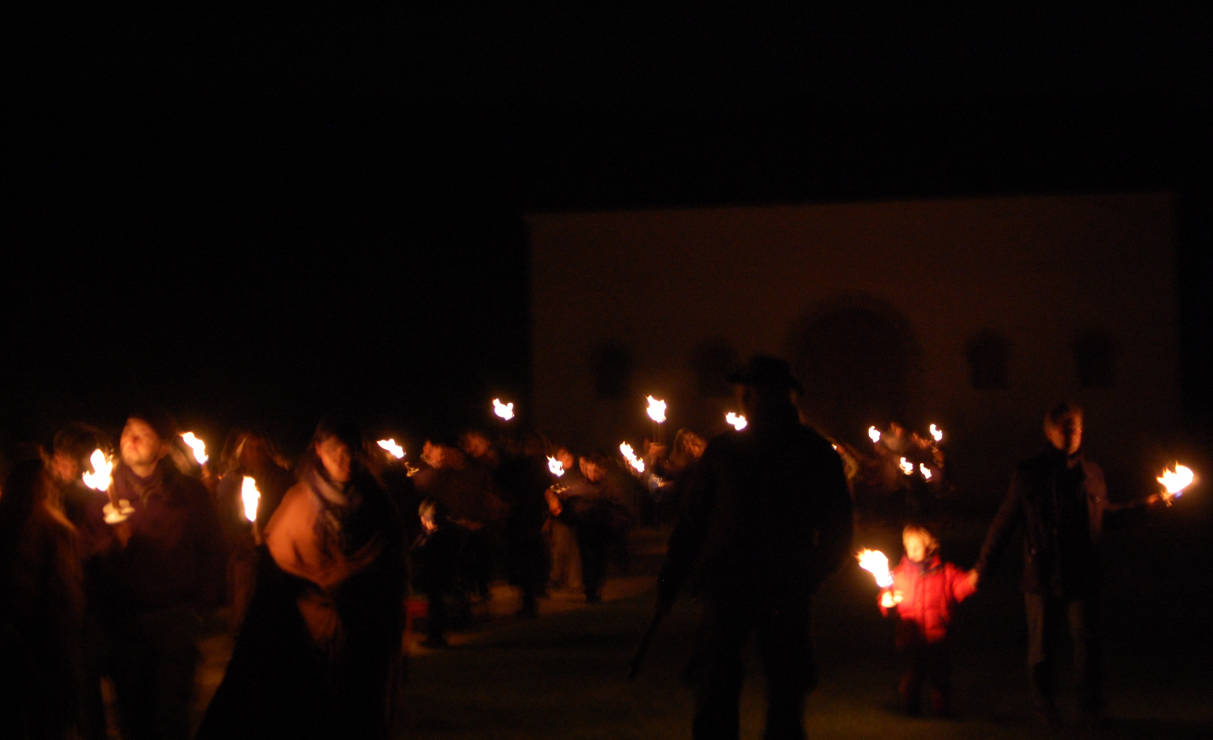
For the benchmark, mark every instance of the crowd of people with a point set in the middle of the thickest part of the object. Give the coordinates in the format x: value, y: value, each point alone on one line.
x: 314, y: 587
x: 315, y: 584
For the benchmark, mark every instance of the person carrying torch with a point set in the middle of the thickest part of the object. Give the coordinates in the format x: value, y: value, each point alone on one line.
x: 922, y: 592
x: 1060, y: 500
x: 166, y: 566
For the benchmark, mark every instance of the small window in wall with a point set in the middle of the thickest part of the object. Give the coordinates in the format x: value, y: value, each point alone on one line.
x: 611, y: 368
x: 989, y: 354
x: 1095, y: 359
x: 712, y: 361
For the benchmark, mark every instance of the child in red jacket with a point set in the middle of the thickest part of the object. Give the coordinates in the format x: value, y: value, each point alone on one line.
x: 925, y: 590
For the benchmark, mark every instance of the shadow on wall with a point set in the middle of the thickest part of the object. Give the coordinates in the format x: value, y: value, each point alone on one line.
x: 860, y: 364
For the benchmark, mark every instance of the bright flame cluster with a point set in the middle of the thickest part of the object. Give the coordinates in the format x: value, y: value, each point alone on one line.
x: 555, y: 467
x: 393, y: 449
x: 737, y: 421
x: 101, y: 476
x: 197, y: 445
x: 936, y: 433
x: 1177, y: 479
x: 874, y: 434
x: 656, y: 409
x: 250, y: 497
x: 876, y: 563
x: 926, y: 472
x: 503, y: 410
x: 906, y: 466
x: 630, y: 455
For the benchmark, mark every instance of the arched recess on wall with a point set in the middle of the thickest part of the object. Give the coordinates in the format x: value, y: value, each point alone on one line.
x: 711, y: 362
x: 989, y: 355
x: 859, y: 361
x: 611, y: 369
x: 1094, y: 358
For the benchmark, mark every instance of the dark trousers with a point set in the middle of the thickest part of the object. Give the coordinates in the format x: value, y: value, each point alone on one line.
x: 783, y: 638
x: 155, y: 655
x: 1047, y: 616
x: 926, y: 663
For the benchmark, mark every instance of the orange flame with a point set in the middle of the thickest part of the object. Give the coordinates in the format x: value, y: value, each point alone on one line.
x: 197, y: 445
x: 101, y: 476
x: 656, y: 409
x: 926, y: 472
x: 737, y: 421
x: 630, y: 455
x: 555, y: 466
x: 874, y: 434
x: 936, y: 433
x: 504, y: 410
x: 1176, y: 480
x: 393, y: 449
x: 250, y: 497
x: 906, y: 466
x: 876, y: 563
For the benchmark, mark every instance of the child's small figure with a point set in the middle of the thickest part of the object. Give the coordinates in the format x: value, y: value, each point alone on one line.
x: 925, y: 590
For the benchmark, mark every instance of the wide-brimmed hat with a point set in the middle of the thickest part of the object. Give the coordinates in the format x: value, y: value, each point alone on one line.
x: 764, y: 371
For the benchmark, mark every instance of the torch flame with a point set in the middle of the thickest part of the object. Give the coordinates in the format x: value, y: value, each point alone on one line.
x: 250, y: 497
x: 393, y: 449
x: 936, y: 433
x: 737, y: 421
x: 197, y: 445
x: 630, y: 455
x: 874, y: 434
x: 656, y: 409
x: 504, y: 410
x: 907, y: 467
x: 1175, y: 481
x: 876, y: 563
x: 99, y: 478
x: 926, y: 472
x: 555, y: 466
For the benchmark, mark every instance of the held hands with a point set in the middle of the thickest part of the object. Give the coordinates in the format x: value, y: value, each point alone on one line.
x: 890, y: 598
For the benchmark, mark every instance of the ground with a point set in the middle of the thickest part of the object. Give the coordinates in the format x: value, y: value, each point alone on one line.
x: 563, y: 674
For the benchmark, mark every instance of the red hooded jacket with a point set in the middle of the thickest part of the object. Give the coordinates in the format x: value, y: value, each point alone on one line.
x: 929, y: 591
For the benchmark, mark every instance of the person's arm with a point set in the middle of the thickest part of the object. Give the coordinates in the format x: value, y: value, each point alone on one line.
x: 1004, y: 524
x: 961, y: 584
x: 689, y: 534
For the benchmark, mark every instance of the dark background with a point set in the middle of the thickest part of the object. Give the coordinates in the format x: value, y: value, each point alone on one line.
x: 260, y: 215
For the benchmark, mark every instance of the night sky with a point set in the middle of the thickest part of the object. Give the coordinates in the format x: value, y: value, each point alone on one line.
x: 261, y: 216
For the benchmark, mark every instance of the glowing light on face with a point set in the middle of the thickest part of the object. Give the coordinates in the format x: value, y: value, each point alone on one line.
x: 1175, y: 480
x: 101, y: 476
x: 737, y: 421
x: 906, y: 466
x: 656, y: 409
x: 197, y: 445
x: 630, y: 455
x: 393, y: 449
x: 503, y: 410
x: 555, y: 467
x: 936, y: 433
x: 874, y: 434
x: 926, y: 472
x: 250, y: 497
x: 876, y: 563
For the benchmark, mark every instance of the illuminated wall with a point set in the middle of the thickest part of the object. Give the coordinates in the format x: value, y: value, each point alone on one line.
x: 976, y: 314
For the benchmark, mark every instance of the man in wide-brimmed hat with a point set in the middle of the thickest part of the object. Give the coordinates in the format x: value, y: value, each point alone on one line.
x: 768, y: 518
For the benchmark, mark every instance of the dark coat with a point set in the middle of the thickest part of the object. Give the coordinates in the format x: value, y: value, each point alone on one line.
x: 1061, y: 503
x: 175, y: 556
x: 768, y: 517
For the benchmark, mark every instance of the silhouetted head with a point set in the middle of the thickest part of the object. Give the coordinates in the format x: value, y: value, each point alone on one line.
x: 71, y: 449
x: 764, y: 387
x: 1063, y: 427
